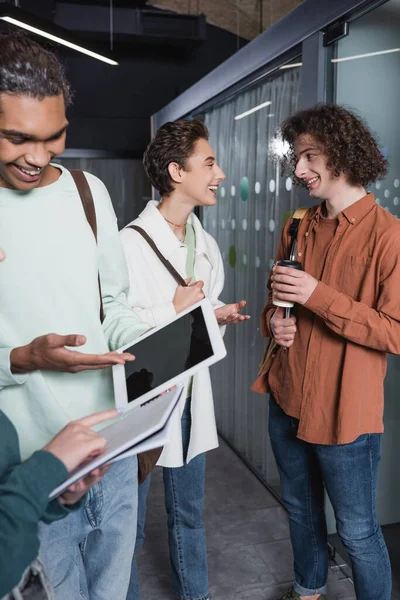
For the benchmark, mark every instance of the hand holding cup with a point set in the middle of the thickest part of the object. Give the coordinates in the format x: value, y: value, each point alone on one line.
x: 291, y: 285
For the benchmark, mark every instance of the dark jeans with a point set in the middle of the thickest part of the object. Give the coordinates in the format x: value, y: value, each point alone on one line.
x: 184, y: 500
x: 349, y: 474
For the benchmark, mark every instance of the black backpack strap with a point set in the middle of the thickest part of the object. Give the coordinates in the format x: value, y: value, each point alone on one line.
x: 297, y: 217
x: 166, y: 263
x: 86, y: 197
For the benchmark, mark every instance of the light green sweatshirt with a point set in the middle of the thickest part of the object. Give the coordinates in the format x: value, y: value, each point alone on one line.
x: 48, y: 284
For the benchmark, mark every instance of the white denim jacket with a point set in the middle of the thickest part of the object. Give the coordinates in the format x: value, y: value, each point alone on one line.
x: 152, y: 289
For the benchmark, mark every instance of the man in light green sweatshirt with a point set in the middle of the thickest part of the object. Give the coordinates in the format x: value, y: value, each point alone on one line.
x: 49, y: 305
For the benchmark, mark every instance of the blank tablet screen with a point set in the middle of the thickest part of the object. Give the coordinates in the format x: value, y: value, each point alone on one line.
x: 166, y: 353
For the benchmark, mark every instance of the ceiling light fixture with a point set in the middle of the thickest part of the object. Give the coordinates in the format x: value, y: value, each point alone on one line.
x: 338, y: 60
x: 291, y: 65
x: 249, y: 112
x: 20, y: 18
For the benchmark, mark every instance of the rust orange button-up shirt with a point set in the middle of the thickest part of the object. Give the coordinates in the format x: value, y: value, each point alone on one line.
x: 331, y: 378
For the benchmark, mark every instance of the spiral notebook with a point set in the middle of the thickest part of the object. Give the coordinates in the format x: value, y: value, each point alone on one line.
x: 143, y: 428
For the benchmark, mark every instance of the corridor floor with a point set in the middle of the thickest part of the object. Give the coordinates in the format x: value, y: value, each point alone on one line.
x: 248, y: 538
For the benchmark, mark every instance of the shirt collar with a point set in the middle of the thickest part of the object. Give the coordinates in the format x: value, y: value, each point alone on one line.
x: 353, y: 214
x: 357, y: 211
x: 161, y: 232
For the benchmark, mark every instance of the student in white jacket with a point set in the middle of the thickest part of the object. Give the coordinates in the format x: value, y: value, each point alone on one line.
x: 181, y: 165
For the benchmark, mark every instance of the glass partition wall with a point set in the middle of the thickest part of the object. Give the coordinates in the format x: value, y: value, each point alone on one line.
x: 252, y: 205
x: 124, y: 179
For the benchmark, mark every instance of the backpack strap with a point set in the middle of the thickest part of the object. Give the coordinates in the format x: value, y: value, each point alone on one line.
x: 271, y: 349
x: 297, y: 217
x: 300, y: 213
x: 179, y: 280
x: 86, y: 197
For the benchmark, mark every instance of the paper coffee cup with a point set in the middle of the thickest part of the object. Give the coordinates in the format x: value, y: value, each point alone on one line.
x: 292, y: 264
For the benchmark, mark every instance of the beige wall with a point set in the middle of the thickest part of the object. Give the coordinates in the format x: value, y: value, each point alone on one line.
x: 238, y: 16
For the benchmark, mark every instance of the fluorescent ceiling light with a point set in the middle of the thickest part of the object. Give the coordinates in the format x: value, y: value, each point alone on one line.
x: 249, y: 112
x: 291, y: 65
x: 338, y: 60
x: 23, y: 19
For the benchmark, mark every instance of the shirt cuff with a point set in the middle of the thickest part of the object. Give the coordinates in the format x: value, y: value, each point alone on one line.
x: 8, y: 378
x: 321, y: 299
x: 266, y: 323
x: 55, y: 474
x: 48, y: 469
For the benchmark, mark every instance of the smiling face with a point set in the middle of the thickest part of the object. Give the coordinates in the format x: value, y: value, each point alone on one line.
x: 198, y: 182
x: 312, y: 168
x: 32, y: 133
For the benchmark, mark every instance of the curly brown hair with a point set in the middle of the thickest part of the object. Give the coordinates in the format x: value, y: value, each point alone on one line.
x: 346, y: 140
x: 29, y: 69
x: 173, y: 142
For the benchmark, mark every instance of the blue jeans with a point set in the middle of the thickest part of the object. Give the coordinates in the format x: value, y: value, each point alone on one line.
x: 89, y: 553
x: 184, y: 500
x: 349, y: 474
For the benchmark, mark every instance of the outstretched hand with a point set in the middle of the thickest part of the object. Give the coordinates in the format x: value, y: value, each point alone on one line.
x: 49, y: 353
x: 229, y: 314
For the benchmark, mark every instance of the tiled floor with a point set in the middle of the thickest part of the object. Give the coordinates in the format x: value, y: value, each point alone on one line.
x: 247, y: 531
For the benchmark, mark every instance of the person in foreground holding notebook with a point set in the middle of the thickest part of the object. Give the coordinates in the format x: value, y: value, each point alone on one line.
x: 181, y: 165
x: 24, y: 498
x: 326, y: 379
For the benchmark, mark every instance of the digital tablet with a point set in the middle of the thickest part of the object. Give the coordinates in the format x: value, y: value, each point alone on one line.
x: 168, y: 355
x: 143, y: 428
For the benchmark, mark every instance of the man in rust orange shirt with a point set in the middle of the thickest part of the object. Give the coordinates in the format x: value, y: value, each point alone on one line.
x: 326, y: 378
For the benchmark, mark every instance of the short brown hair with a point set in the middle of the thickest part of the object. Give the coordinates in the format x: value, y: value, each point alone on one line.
x: 347, y: 142
x: 173, y: 142
x: 28, y: 69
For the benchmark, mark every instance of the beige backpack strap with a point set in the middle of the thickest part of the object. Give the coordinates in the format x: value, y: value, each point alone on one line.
x: 300, y: 213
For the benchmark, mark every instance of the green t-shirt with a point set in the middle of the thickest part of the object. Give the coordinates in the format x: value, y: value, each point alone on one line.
x: 190, y: 242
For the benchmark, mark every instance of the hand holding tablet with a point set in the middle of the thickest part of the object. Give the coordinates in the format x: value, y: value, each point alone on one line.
x: 168, y: 355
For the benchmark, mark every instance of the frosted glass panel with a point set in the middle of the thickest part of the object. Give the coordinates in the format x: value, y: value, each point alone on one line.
x: 125, y: 180
x: 247, y: 221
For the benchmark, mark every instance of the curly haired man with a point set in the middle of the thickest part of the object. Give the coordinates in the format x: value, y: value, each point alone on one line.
x: 326, y: 380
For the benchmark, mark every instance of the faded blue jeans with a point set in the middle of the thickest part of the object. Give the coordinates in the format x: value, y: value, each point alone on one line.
x: 88, y: 554
x: 348, y: 472
x: 184, y: 500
